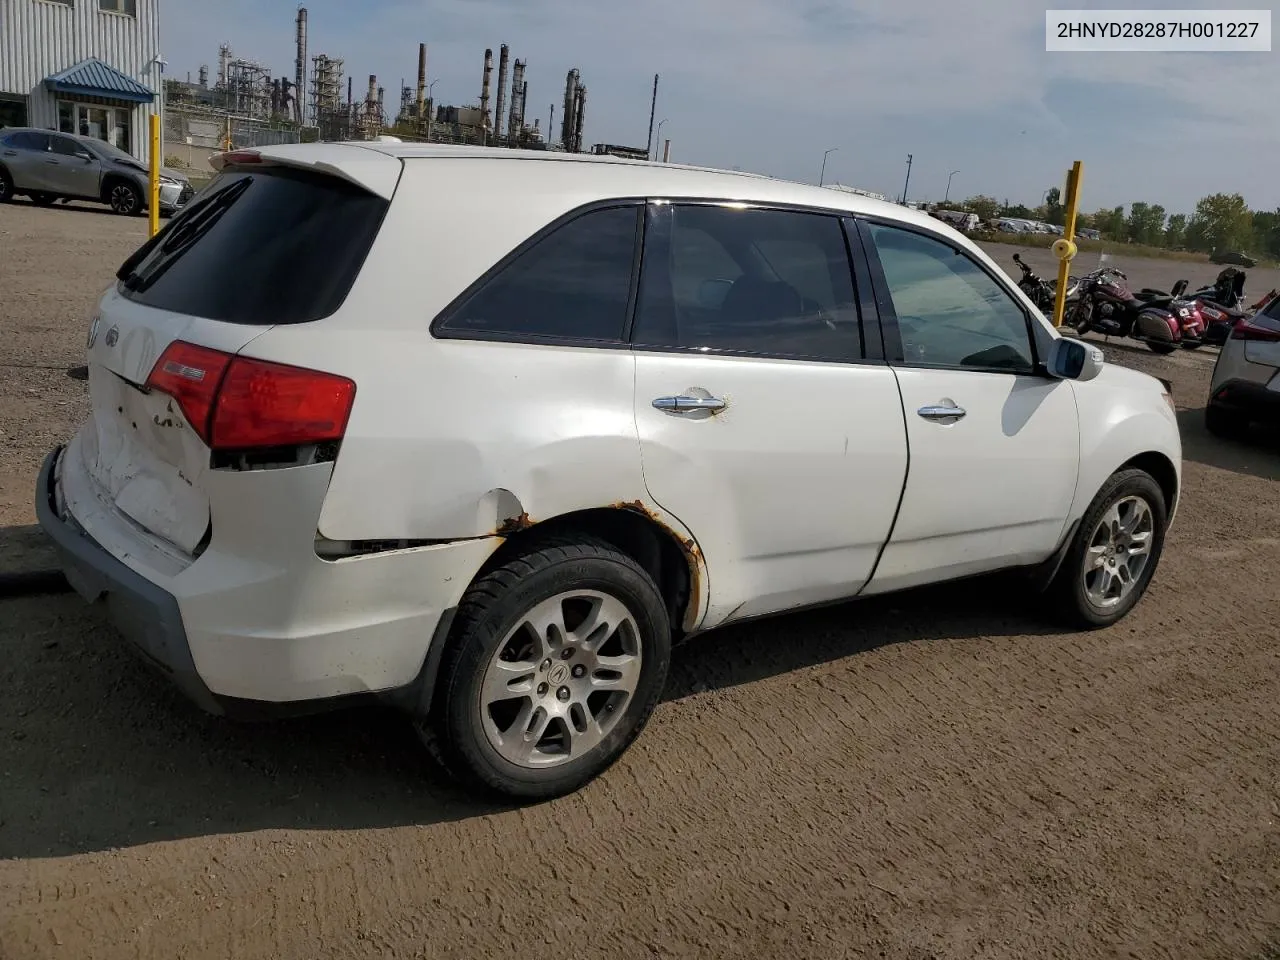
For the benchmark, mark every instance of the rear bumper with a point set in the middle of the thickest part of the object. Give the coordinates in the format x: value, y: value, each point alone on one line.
x: 258, y: 624
x: 1251, y: 399
x: 146, y: 615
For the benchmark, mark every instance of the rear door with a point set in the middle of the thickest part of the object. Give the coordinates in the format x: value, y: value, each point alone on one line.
x: 767, y: 425
x: 995, y: 442
x: 263, y: 246
x: 24, y: 155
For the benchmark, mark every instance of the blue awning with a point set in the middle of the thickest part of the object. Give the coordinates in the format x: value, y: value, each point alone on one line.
x: 93, y: 78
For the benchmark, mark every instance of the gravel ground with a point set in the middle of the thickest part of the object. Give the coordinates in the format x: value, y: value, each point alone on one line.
x: 933, y: 775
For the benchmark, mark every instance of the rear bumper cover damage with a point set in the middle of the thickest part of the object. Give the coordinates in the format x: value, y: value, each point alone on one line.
x: 1258, y: 400
x: 146, y: 615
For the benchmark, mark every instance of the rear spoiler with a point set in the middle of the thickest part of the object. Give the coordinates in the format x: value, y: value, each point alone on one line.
x: 368, y: 169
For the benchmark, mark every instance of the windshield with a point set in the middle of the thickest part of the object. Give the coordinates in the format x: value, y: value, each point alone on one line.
x: 109, y: 151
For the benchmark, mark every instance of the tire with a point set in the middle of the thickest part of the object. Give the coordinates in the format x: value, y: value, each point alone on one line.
x: 475, y: 731
x: 1074, y: 600
x: 1161, y: 347
x: 1225, y: 424
x: 124, y: 198
x: 6, y: 186
x: 1192, y: 344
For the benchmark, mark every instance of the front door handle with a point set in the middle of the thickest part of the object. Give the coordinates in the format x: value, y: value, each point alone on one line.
x: 687, y: 404
x: 942, y: 412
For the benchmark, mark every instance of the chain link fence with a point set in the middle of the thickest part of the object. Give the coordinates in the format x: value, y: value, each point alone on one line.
x: 208, y: 129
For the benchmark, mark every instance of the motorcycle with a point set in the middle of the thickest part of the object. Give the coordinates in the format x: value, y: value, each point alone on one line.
x: 1043, y: 292
x: 1220, y: 304
x: 1164, y: 323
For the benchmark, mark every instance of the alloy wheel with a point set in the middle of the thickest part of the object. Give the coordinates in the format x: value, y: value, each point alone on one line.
x: 561, y: 679
x: 1118, y: 552
x: 123, y: 199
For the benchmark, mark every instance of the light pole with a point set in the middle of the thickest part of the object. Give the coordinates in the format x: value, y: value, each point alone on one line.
x: 658, y: 139
x: 431, y: 108
x: 907, y: 182
x: 947, y: 196
x: 823, y: 174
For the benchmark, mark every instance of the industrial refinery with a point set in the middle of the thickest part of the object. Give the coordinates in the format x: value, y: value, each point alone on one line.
x: 247, y: 105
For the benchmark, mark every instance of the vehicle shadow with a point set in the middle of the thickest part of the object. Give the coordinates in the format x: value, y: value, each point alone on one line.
x: 77, y: 206
x: 99, y: 752
x: 1258, y: 455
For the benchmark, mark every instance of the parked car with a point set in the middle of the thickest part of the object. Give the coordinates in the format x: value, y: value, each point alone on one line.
x: 494, y: 491
x: 1245, y: 387
x: 48, y: 166
x: 1237, y: 257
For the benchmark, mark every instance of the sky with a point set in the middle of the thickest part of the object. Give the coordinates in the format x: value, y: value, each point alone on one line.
x: 768, y: 87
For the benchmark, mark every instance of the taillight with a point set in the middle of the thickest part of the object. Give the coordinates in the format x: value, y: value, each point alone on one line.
x: 1256, y: 328
x: 241, y: 156
x: 190, y: 375
x: 235, y: 403
x: 271, y: 405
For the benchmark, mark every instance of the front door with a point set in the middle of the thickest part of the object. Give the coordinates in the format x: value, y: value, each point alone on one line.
x: 74, y: 171
x: 995, y: 444
x: 762, y: 427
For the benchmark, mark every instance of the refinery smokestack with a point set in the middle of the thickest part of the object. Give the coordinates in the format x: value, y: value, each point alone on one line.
x: 570, y: 95
x: 484, y: 95
x: 204, y: 75
x: 500, y: 121
x: 517, y: 94
x: 579, y: 118
x: 422, y: 80
x: 300, y: 70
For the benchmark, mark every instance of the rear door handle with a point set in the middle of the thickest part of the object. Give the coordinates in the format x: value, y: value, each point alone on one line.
x: 687, y: 404
x: 942, y: 412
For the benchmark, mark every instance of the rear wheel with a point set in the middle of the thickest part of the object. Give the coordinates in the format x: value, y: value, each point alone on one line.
x: 1114, y: 553
x: 1162, y: 347
x: 6, y: 186
x: 125, y: 198
x: 1226, y: 424
x: 555, y: 662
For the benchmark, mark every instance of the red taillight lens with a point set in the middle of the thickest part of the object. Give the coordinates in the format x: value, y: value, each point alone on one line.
x: 241, y: 156
x: 235, y: 403
x: 190, y: 375
x: 273, y: 405
x: 1257, y: 328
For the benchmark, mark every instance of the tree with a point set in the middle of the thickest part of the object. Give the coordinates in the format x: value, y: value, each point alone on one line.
x: 1053, y: 212
x: 1017, y: 211
x: 1146, y: 223
x: 1266, y: 232
x: 1222, y: 221
x: 985, y: 207
x: 1175, y: 234
x: 1110, y: 223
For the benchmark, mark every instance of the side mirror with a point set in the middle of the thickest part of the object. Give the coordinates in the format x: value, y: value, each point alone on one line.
x: 85, y: 155
x: 1071, y: 359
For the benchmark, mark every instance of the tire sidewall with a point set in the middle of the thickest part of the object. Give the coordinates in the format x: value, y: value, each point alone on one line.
x: 1126, y: 484
x: 461, y: 713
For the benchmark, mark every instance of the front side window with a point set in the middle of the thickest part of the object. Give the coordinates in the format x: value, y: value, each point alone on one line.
x: 66, y: 147
x: 950, y: 311
x: 767, y: 282
x: 572, y: 284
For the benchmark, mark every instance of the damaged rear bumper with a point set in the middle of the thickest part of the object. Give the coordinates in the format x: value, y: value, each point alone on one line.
x: 145, y: 614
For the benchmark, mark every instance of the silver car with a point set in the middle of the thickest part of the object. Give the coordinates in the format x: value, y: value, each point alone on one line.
x: 48, y: 166
x: 1246, y: 378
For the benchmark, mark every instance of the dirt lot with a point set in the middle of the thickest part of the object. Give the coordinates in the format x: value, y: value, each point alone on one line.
x: 936, y: 775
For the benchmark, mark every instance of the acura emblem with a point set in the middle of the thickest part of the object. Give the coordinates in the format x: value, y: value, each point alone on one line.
x: 93, y: 332
x: 112, y: 336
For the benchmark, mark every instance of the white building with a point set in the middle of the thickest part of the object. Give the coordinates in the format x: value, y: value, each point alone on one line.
x: 82, y: 66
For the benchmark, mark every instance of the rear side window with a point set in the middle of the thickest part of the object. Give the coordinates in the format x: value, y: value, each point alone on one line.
x: 261, y: 247
x: 28, y: 141
x: 572, y: 284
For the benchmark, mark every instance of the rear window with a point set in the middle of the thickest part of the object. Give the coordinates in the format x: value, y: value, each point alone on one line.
x: 258, y: 247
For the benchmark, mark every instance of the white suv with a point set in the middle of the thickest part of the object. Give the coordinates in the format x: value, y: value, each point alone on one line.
x: 485, y: 432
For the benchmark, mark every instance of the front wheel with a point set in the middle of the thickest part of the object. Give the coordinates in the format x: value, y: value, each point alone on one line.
x: 553, y: 666
x: 6, y: 186
x: 125, y: 198
x: 1114, y: 552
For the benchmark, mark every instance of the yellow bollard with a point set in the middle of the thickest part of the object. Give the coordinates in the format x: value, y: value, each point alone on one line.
x: 153, y: 201
x: 1064, y: 248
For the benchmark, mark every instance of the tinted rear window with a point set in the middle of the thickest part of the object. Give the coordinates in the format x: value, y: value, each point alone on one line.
x: 258, y: 247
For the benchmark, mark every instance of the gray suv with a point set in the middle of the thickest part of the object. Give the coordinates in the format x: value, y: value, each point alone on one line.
x: 49, y: 166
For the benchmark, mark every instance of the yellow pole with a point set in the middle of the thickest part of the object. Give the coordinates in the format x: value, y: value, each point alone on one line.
x: 1064, y: 248
x: 153, y: 201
